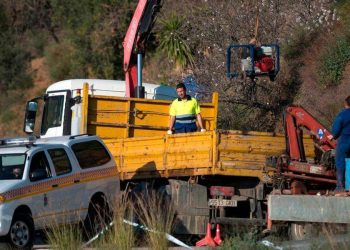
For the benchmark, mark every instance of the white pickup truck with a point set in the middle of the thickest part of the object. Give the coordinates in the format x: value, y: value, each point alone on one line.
x: 58, y: 180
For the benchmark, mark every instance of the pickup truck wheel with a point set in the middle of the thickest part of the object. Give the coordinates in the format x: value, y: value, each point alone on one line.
x: 21, y: 232
x: 97, y: 218
x: 303, y: 231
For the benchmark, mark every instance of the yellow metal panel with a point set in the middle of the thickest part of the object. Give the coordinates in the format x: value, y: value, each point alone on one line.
x: 85, y: 105
x: 215, y: 102
x: 233, y: 156
x: 241, y: 172
x: 150, y: 114
x: 259, y: 143
x: 108, y: 110
x: 104, y: 131
x: 142, y: 132
x: 208, y: 113
x: 193, y: 151
x: 231, y: 153
x: 158, y: 155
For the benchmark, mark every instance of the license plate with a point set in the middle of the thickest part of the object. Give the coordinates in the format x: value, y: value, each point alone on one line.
x: 222, y: 203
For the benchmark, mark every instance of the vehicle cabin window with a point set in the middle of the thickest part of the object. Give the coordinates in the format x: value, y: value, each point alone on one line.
x: 12, y: 166
x: 90, y: 154
x: 53, y: 113
x: 39, y: 167
x: 60, y: 161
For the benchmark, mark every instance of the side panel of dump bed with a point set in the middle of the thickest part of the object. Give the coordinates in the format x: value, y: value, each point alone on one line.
x: 116, y: 117
x: 231, y: 153
x: 243, y: 153
x: 163, y: 156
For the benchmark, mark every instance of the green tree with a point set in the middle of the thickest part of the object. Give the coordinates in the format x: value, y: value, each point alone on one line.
x: 94, y: 30
x: 13, y: 58
x: 332, y: 61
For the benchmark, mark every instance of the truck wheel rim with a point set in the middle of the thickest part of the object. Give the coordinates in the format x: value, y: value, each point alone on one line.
x: 19, y: 233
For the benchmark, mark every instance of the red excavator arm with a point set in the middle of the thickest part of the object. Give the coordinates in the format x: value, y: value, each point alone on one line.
x: 135, y: 40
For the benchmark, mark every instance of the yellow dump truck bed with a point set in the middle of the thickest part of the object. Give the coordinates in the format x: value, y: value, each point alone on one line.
x: 135, y: 132
x: 232, y: 153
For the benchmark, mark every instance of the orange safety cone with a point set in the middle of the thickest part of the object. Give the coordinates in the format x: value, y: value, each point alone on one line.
x: 217, y: 238
x: 207, y: 240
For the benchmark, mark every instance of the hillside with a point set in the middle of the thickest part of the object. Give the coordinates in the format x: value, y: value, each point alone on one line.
x: 87, y: 43
x: 12, y: 114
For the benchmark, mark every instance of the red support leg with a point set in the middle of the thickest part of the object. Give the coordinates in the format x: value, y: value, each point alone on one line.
x: 207, y: 240
x: 217, y: 238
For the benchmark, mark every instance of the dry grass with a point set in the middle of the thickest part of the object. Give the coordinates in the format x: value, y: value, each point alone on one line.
x: 330, y: 232
x: 64, y: 237
x: 154, y: 211
x: 120, y: 235
x: 157, y: 213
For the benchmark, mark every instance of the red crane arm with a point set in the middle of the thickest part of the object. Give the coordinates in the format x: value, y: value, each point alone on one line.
x: 297, y: 117
x: 135, y: 39
x: 128, y: 43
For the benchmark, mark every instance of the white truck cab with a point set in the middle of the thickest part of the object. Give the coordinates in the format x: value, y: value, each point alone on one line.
x: 60, y: 99
x: 59, y: 180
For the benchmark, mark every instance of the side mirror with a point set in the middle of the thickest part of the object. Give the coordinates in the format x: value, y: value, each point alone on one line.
x: 30, y: 115
x: 38, y: 174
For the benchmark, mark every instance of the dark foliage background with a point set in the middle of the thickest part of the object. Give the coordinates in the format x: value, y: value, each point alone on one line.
x: 83, y: 39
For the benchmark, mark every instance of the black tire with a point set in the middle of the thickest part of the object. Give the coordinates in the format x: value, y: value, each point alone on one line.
x: 21, y: 233
x: 303, y: 231
x: 97, y: 218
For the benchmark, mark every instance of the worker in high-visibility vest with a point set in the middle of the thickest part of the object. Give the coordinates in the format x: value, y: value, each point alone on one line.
x: 183, y: 113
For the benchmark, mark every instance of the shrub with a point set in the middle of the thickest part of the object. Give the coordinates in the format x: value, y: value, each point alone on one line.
x: 62, y: 61
x: 332, y: 61
x: 37, y: 40
x: 7, y: 116
x: 296, y: 45
x: 241, y: 243
x: 14, y: 62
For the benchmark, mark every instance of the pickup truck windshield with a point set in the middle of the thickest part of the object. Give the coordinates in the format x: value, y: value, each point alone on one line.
x: 53, y: 111
x: 11, y: 166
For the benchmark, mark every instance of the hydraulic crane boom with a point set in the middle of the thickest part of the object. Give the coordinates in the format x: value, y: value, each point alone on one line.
x: 296, y: 166
x: 135, y: 40
x: 296, y: 118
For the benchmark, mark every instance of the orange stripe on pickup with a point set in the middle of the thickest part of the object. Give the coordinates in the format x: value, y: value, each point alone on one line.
x: 64, y: 181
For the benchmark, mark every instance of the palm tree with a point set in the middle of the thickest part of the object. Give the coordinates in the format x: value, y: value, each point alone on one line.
x: 173, y: 44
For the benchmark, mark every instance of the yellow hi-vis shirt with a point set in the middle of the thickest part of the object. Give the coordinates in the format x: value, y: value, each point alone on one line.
x: 185, y: 111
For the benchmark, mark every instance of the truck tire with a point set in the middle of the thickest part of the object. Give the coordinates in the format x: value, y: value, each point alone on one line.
x: 302, y: 231
x: 21, y: 232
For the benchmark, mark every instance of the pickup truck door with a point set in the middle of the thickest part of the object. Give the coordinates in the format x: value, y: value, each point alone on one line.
x: 56, y: 120
x: 40, y: 185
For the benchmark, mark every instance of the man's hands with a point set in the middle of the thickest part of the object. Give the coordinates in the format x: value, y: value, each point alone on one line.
x: 170, y: 132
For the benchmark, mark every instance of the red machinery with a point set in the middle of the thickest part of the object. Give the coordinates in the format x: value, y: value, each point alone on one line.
x: 134, y: 44
x: 294, y: 165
